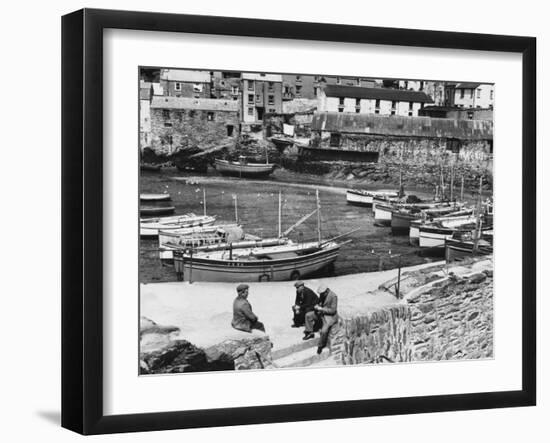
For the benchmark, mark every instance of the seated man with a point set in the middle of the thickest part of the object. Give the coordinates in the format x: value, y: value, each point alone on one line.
x: 306, y: 299
x: 327, y: 310
x: 243, y: 317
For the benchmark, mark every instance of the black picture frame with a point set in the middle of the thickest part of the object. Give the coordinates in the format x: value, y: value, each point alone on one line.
x: 82, y: 218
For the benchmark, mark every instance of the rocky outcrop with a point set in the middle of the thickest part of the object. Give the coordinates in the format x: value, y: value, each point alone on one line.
x: 161, y: 352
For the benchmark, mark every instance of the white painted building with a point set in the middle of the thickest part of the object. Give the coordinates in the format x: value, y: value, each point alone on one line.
x: 470, y: 95
x: 383, y: 101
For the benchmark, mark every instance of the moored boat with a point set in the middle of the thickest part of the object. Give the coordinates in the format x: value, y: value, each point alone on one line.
x: 361, y: 197
x: 276, y: 263
x: 433, y: 235
x: 149, y: 227
x: 243, y: 169
x: 464, y: 245
x: 156, y: 210
x: 146, y: 197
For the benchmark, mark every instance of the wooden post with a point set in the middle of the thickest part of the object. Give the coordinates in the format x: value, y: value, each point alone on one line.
x: 279, y: 213
x: 398, y: 294
x: 318, y: 217
x: 191, y: 266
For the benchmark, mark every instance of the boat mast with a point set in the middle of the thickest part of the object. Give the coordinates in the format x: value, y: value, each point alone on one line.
x: 236, y: 212
x: 318, y: 217
x: 462, y: 189
x: 452, y: 180
x: 279, y: 213
x: 204, y: 201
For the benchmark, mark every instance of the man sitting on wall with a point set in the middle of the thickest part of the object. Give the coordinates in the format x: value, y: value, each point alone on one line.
x: 327, y: 310
x: 243, y: 317
x: 305, y: 300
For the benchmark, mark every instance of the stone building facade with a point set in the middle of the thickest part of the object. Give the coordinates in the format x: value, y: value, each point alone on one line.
x: 180, y: 123
x: 185, y: 83
x: 261, y: 94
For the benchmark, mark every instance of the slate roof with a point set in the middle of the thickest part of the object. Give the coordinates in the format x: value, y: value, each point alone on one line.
x: 205, y: 104
x: 262, y: 77
x: 467, y: 85
x: 185, y: 76
x: 401, y: 95
x: 401, y: 126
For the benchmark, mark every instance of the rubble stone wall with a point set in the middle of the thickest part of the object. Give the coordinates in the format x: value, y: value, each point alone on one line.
x: 452, y: 320
x: 172, y: 130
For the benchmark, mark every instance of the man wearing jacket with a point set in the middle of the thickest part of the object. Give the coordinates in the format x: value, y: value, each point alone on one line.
x: 243, y: 317
x: 305, y: 300
x: 328, y: 310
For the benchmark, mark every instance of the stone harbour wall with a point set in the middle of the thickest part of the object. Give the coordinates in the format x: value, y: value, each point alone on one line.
x: 451, y: 320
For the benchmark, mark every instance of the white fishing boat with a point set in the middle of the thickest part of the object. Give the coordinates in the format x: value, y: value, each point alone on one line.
x: 433, y: 235
x: 363, y: 197
x: 280, y: 262
x: 145, y: 197
x: 150, y: 227
x: 277, y: 263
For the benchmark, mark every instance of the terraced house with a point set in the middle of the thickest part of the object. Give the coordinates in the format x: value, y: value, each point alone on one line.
x: 383, y: 101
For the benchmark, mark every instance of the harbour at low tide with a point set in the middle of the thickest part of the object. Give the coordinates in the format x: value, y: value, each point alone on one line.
x: 256, y: 205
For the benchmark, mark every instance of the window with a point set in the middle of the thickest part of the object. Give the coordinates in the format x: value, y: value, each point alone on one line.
x: 462, y: 93
x: 453, y: 145
x: 272, y: 111
x: 298, y: 78
x: 270, y: 99
x: 316, y: 91
x: 341, y: 104
x: 298, y: 89
x: 338, y: 81
x: 357, y: 105
x: 234, y: 90
x: 270, y: 86
x: 393, y: 106
x: 421, y: 86
x: 250, y: 99
x: 334, y: 140
x: 410, y: 109
x: 251, y: 85
x: 491, y: 94
x: 258, y: 98
x: 250, y: 111
x: 377, y: 106
x: 470, y: 115
x: 167, y: 124
x: 229, y: 130
x: 358, y: 81
x: 479, y: 93
x: 210, y: 116
x: 177, y: 86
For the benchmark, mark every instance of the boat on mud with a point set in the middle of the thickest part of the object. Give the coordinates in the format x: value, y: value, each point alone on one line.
x: 363, y: 197
x: 290, y: 261
x: 156, y: 210
x: 463, y: 245
x: 146, y: 197
x: 433, y: 235
x: 150, y: 227
x: 243, y: 168
x: 401, y: 218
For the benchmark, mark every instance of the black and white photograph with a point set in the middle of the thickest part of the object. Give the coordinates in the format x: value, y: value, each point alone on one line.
x: 293, y: 220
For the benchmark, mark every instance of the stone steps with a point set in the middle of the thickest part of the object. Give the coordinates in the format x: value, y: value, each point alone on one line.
x: 297, y: 347
x: 303, y: 358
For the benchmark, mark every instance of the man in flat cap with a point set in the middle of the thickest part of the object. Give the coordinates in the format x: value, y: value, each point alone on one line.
x: 305, y: 300
x: 327, y: 310
x: 243, y: 317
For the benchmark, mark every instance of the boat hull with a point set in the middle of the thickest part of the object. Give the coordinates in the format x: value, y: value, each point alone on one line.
x: 456, y: 250
x: 150, y: 228
x: 400, y: 222
x: 154, y: 197
x: 382, y: 215
x: 359, y: 199
x: 244, y: 169
x: 200, y: 269
x: 156, y: 210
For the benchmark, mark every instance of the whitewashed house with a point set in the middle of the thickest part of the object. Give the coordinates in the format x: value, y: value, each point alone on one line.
x: 383, y: 101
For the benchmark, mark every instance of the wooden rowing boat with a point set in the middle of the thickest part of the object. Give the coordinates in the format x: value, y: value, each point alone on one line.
x: 243, y: 169
x: 363, y: 197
